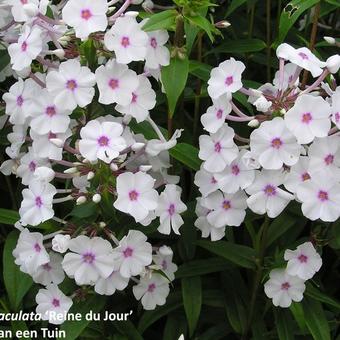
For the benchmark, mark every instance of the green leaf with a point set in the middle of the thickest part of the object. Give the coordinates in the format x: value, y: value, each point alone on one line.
x: 284, y: 324
x: 233, y: 6
x: 315, y: 294
x: 92, y: 304
x: 4, y: 59
x: 299, y: 315
x: 240, y: 255
x: 204, y: 24
x: 176, y: 324
x: 16, y: 282
x: 8, y: 216
x: 279, y: 226
x: 21, y: 327
x: 334, y: 2
x: 127, y: 328
x: 88, y: 50
x: 200, y: 70
x: 174, y: 78
x: 239, y: 46
x: 220, y: 331
x: 289, y: 15
x: 84, y: 210
x: 186, y: 154
x: 163, y: 20
x: 192, y: 300
x: 316, y: 320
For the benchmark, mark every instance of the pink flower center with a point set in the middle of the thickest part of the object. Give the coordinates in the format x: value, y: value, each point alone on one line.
x: 56, y: 302
x: 38, y: 201
x: 213, y: 180
x: 37, y: 248
x: 229, y: 80
x: 103, y: 141
x: 270, y: 190
x: 329, y: 159
x: 218, y: 147
x: 88, y: 258
x: 24, y: 46
x: 337, y: 117
x: 226, y: 205
x: 134, y: 98
x: 323, y: 196
x: 171, y: 209
x: 153, y: 42
x: 114, y: 83
x: 52, y: 135
x: 305, y: 176
x: 24, y: 2
x: 71, y: 84
x: 32, y: 166
x: 285, y: 286
x: 47, y: 267
x: 303, y: 258
x: 127, y: 252
x: 164, y: 265
x: 306, y: 118
x: 20, y: 100
x: 276, y: 143
x: 125, y: 42
x: 50, y: 111
x: 219, y: 114
x: 133, y: 195
x: 303, y: 56
x: 86, y: 14
x: 235, y: 170
x: 151, y: 287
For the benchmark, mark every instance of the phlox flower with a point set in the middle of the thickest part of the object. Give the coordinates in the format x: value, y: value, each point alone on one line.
x: 18, y: 8
x: 60, y: 243
x: 289, y: 70
x: 206, y: 181
x: 112, y: 283
x: 335, y: 108
x: 298, y: 173
x: 163, y: 259
x: 156, y: 53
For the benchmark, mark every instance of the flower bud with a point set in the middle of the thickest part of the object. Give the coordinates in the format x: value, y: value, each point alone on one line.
x: 57, y: 142
x: 145, y: 168
x: 60, y: 243
x: 137, y: 146
x: 80, y: 200
x: 60, y: 53
x: 222, y: 24
x: 90, y: 175
x: 333, y: 63
x: 113, y: 166
x: 254, y: 123
x: 96, y: 198
x: 71, y: 170
x: 102, y: 224
x: 148, y: 5
x: 330, y: 40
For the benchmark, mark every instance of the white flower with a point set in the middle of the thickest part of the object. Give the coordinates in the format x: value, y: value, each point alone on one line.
x: 333, y: 63
x: 143, y: 99
x: 163, y: 258
x: 320, y: 198
x: 53, y: 304
x: 206, y: 181
x: 155, y: 146
x: 86, y: 16
x: 169, y: 209
x: 308, y: 118
x: 153, y: 291
x: 60, y: 243
x: 214, y: 118
x: 109, y: 285
x: 91, y: 259
x: 225, y: 209
x: 218, y: 149
x: 136, y: 195
x: 127, y: 40
x: 43, y: 174
x: 36, y: 206
x: 235, y: 176
x: 27, y: 48
x: 289, y: 71
x: 226, y: 78
x: 298, y: 173
x: 335, y: 108
x: 19, y: 8
x: 50, y: 272
x: 284, y: 288
x: 302, y: 57
x: 265, y: 194
x: 71, y: 85
x: 303, y: 262
x: 274, y: 145
x: 116, y: 83
x: 101, y: 141
x: 133, y: 254
x: 30, y: 252
x: 157, y: 54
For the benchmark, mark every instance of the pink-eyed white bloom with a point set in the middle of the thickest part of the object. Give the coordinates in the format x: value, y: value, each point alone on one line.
x: 47, y: 116
x: 320, y: 198
x: 116, y: 83
x: 283, y: 288
x: 36, y: 206
x: 53, y: 304
x: 214, y: 118
x: 136, y: 195
x: 127, y: 40
x: 218, y: 149
x: 71, y: 85
x: 143, y: 99
x: 265, y: 194
x: 101, y: 141
x: 226, y: 78
x: 18, y: 8
x: 133, y: 254
x: 60, y: 243
x: 303, y: 262
x: 27, y: 48
x: 274, y: 145
x: 50, y: 272
x: 86, y: 16
x: 298, y: 173
x: 157, y: 54
x: 155, y: 146
x: 206, y: 181
x: 169, y: 209
x: 163, y: 259
x: 30, y: 252
x: 152, y: 291
x: 225, y: 209
x: 335, y: 108
x: 308, y: 118
x: 301, y: 57
x: 89, y: 259
x: 235, y: 176
x: 109, y: 285
x: 289, y: 70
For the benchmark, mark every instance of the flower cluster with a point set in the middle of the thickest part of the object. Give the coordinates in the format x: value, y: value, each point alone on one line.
x: 71, y: 136
x: 292, y: 154
x: 287, y: 285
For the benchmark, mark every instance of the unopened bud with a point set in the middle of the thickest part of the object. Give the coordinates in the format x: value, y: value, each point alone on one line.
x: 330, y: 40
x: 254, y: 123
x: 71, y: 170
x: 80, y: 200
x: 96, y: 198
x: 222, y: 24
x: 148, y: 5
x: 64, y: 40
x: 90, y: 175
x: 60, y: 53
x: 57, y: 142
x: 137, y: 146
x: 113, y: 166
x: 283, y: 111
x: 102, y: 224
x: 145, y: 168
